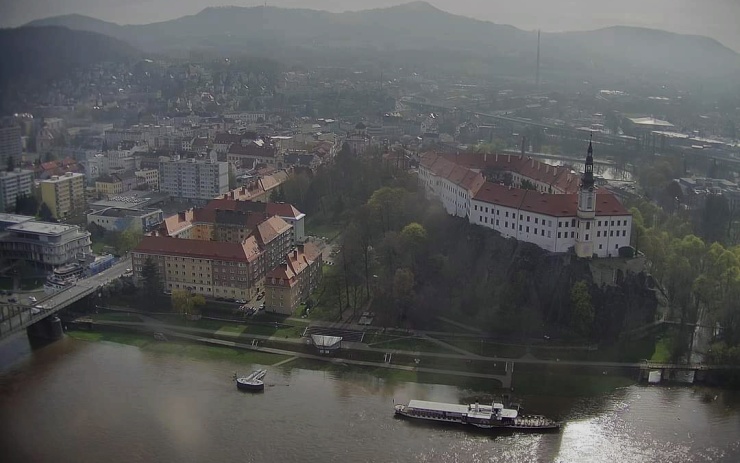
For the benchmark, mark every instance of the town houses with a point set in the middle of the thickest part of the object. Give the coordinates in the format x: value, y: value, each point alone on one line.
x: 227, y: 248
x: 557, y: 212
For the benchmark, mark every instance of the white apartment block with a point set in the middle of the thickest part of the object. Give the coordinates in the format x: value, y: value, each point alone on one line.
x: 42, y: 244
x: 13, y: 184
x: 194, y: 179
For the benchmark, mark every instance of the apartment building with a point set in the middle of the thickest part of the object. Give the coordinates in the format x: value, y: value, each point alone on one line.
x: 150, y: 177
x: 292, y: 282
x: 13, y: 184
x: 210, y: 268
x: 10, y: 142
x: 64, y: 194
x: 274, y: 235
x: 193, y: 179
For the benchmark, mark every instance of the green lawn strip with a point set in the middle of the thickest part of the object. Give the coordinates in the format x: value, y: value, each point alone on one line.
x: 184, y: 349
x: 116, y: 317
x: 486, y: 349
x: 230, y: 330
x: 391, y: 376
x: 662, y: 353
x: 567, y: 384
x: 411, y: 344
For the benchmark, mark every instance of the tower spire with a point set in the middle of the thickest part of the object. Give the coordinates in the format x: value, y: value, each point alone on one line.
x: 587, y: 181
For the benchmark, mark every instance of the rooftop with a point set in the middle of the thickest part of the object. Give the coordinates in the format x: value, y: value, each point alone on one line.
x: 15, y: 218
x: 554, y: 205
x: 649, y: 121
x: 214, y: 250
x: 42, y: 228
x: 63, y: 178
x: 131, y: 200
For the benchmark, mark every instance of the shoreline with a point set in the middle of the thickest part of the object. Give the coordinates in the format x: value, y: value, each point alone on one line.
x: 208, y: 348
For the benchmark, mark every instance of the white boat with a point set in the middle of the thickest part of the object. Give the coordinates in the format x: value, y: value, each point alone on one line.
x: 494, y: 416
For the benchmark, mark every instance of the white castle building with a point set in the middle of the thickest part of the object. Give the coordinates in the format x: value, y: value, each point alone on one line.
x: 591, y: 221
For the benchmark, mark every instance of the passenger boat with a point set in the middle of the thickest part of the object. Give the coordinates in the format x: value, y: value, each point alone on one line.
x: 253, y: 382
x: 63, y: 277
x: 494, y: 416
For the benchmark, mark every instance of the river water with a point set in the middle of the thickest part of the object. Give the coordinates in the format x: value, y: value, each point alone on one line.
x: 93, y: 402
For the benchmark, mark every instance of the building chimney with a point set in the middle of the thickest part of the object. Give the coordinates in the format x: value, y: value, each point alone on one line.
x: 485, y: 157
x: 301, y: 248
x: 496, y: 157
x: 509, y: 158
x: 532, y: 159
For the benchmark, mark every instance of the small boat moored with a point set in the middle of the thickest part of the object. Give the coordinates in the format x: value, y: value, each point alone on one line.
x: 253, y: 382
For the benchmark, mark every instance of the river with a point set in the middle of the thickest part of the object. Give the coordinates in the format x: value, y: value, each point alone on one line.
x: 91, y: 402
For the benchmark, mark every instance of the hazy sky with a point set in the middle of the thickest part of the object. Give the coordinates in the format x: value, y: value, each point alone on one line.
x: 719, y: 19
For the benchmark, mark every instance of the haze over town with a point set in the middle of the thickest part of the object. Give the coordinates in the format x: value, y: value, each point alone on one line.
x: 403, y: 212
x: 717, y: 19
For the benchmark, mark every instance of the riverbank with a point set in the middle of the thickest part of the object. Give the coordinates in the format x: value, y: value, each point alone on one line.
x: 189, y: 350
x: 527, y: 381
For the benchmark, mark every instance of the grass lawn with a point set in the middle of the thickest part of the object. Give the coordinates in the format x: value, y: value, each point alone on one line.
x: 411, y: 344
x: 196, y: 351
x: 283, y: 331
x: 230, y: 330
x: 487, y: 349
x: 116, y: 317
x: 567, y: 384
x: 389, y: 376
x: 662, y: 353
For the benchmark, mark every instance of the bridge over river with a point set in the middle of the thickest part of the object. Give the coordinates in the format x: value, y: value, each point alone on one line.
x: 18, y: 317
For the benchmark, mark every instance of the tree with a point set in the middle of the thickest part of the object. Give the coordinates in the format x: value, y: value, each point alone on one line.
x: 151, y: 282
x: 45, y: 213
x: 403, y: 291
x: 232, y: 177
x: 714, y: 218
x: 528, y: 185
x: 413, y: 239
x: 582, y: 311
x: 182, y: 302
x: 96, y: 231
x: 128, y: 240
x: 26, y: 205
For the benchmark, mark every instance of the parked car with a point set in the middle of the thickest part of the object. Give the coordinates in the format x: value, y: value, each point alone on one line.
x: 13, y: 299
x: 241, y: 301
x: 32, y: 299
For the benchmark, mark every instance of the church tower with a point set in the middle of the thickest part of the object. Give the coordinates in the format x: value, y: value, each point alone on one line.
x: 586, y: 208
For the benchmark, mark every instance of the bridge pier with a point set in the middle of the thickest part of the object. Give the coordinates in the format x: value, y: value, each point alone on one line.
x: 45, y: 330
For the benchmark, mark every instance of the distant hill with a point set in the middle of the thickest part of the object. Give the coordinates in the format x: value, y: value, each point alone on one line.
x: 46, y: 53
x: 418, y: 29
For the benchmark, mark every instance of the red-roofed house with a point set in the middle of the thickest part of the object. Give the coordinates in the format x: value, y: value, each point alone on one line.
x: 291, y: 282
x: 210, y: 268
x: 592, y: 221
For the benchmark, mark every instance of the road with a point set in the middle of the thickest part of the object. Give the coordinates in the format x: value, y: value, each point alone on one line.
x: 15, y: 317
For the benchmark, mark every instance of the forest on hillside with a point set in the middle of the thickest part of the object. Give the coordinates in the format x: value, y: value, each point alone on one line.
x: 417, y: 263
